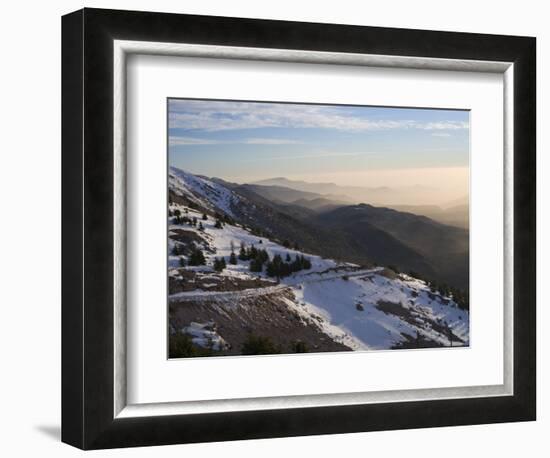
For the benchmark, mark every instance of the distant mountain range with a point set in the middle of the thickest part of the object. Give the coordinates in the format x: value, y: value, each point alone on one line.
x: 381, y: 195
x: 282, y: 194
x: 326, y: 196
x: 334, y: 228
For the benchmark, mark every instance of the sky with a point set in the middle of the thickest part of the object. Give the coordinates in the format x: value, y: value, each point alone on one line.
x: 347, y: 145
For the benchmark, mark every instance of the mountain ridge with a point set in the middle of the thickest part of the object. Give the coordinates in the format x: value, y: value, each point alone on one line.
x: 224, y: 304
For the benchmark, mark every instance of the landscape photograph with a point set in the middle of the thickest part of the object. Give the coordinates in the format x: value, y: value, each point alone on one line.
x: 305, y: 228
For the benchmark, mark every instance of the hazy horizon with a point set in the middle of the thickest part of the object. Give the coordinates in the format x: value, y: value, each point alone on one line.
x: 370, y: 147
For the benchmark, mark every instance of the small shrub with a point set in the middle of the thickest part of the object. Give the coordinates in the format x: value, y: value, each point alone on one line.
x: 259, y: 345
x: 299, y: 347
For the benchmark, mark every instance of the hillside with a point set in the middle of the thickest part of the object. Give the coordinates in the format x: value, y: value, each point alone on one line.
x: 444, y: 248
x: 455, y: 215
x: 234, y: 291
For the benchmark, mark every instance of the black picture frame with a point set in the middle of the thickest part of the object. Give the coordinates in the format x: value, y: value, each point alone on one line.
x: 88, y: 420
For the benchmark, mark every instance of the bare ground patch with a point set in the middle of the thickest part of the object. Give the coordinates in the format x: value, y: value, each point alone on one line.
x: 266, y: 315
x: 411, y: 316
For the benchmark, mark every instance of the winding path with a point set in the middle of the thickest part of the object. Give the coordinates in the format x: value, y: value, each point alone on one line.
x: 195, y: 296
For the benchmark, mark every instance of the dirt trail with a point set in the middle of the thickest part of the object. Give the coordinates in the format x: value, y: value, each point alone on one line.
x: 187, y: 296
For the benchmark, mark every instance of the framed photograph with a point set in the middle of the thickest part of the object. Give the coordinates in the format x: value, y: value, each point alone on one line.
x: 278, y: 228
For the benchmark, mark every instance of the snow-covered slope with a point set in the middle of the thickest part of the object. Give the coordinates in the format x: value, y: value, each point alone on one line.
x: 202, y: 191
x: 353, y: 307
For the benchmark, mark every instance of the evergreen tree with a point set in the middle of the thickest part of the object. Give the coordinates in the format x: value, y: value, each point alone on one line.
x: 218, y: 224
x: 242, y: 252
x: 287, y: 257
x: 197, y: 258
x: 232, y: 258
x: 263, y: 256
x: 201, y: 227
x: 182, y: 262
x: 274, y: 267
x: 219, y: 264
x: 285, y: 270
x: 177, y: 212
x: 255, y: 265
x: 204, y: 217
x: 270, y: 269
x: 296, y: 265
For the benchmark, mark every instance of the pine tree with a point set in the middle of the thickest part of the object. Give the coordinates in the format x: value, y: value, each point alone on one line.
x: 197, y: 258
x: 274, y: 267
x: 271, y: 269
x: 263, y: 256
x: 285, y: 270
x: 232, y: 258
x: 219, y: 264
x: 201, y: 227
x: 204, y: 217
x: 287, y: 257
x: 218, y: 224
x: 242, y: 252
x: 255, y: 265
x: 296, y: 265
x: 182, y: 262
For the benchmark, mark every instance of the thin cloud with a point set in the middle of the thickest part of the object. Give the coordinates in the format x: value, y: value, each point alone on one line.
x: 175, y: 140
x: 271, y: 141
x: 179, y: 141
x: 312, y: 156
x: 208, y: 116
